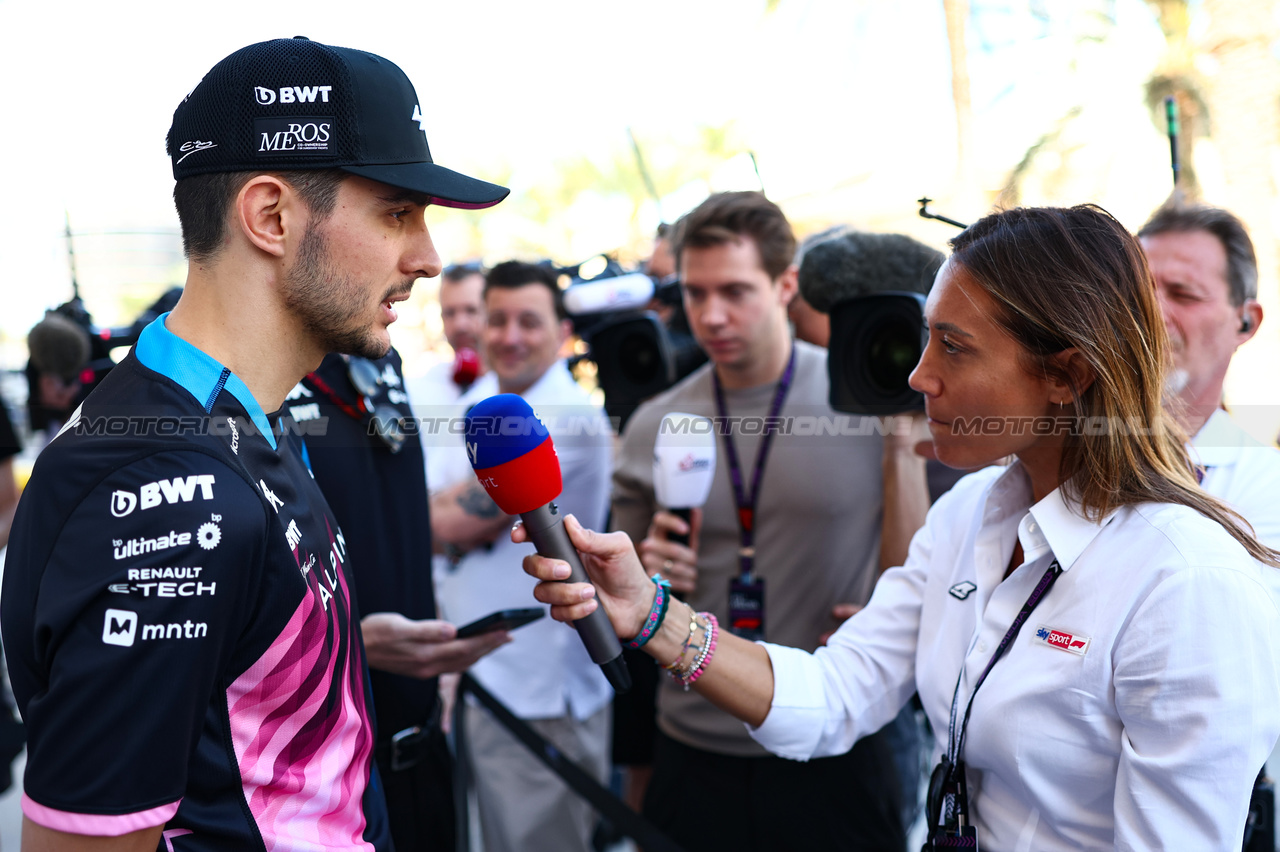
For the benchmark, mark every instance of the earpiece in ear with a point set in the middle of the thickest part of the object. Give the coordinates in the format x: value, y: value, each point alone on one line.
x: 1245, y: 324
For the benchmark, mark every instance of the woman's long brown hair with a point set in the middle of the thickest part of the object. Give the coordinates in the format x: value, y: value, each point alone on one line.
x: 1073, y: 277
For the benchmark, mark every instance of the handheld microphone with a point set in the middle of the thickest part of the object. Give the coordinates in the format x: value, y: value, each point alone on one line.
x: 515, y: 460
x: 684, y: 463
x: 466, y: 367
x: 620, y: 292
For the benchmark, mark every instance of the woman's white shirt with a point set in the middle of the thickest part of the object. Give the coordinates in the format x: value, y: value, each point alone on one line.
x: 1134, y: 709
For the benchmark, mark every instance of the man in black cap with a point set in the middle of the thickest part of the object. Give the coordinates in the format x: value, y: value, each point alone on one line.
x: 177, y: 608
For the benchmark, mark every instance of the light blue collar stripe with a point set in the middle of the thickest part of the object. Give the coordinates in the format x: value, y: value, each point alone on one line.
x: 163, y: 351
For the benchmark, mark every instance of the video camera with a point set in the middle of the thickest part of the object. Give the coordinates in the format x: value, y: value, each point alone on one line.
x: 620, y: 316
x: 873, y: 287
x: 102, y: 340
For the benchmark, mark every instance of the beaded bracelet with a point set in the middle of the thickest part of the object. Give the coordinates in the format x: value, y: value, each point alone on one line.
x: 708, y: 651
x: 709, y: 633
x: 656, y: 613
x: 681, y: 672
x: 674, y: 665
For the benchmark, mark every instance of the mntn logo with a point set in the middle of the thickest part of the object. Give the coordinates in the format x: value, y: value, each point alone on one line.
x: 120, y: 627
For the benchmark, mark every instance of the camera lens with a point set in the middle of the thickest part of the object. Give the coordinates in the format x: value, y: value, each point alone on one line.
x: 894, y: 351
x: 640, y: 361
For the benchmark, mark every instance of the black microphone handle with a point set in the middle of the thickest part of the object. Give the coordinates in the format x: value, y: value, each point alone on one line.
x: 545, y: 527
x: 686, y: 515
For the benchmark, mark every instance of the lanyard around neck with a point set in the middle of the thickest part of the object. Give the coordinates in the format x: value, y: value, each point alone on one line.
x: 747, y: 501
x: 955, y: 745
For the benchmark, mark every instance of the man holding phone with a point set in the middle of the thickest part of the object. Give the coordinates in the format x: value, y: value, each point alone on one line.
x: 371, y: 471
x: 544, y: 676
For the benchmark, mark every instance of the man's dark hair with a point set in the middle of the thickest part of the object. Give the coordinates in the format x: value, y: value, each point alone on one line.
x: 514, y: 273
x: 58, y: 346
x: 728, y: 217
x: 204, y: 202
x: 1242, y: 263
x: 455, y: 272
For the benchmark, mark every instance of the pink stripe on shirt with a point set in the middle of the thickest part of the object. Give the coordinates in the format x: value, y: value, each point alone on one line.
x: 303, y: 741
x: 98, y: 825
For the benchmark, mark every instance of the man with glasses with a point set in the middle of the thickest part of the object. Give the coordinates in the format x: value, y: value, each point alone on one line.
x: 544, y: 675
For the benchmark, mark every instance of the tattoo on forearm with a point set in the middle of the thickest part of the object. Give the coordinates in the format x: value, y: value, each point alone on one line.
x: 475, y: 502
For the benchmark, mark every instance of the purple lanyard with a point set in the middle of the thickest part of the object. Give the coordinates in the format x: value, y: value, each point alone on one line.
x: 747, y: 502
x: 955, y: 746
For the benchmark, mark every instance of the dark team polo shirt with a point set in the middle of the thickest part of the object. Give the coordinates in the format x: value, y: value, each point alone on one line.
x: 380, y: 499
x: 179, y: 623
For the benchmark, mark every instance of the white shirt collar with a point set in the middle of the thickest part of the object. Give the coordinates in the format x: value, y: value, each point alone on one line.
x: 1053, y: 524
x: 1220, y: 441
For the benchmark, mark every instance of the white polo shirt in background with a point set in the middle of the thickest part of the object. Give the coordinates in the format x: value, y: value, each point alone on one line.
x: 1146, y: 736
x: 1241, y: 472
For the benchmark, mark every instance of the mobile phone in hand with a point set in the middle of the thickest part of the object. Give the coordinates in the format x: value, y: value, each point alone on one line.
x: 503, y: 619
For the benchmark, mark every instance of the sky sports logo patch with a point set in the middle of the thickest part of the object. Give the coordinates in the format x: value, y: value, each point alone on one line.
x: 1062, y: 640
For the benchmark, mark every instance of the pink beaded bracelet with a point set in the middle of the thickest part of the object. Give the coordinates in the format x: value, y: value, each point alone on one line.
x: 709, y: 634
x: 705, y: 657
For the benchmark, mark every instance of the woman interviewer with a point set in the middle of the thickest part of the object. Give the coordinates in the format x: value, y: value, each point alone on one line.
x: 1140, y: 698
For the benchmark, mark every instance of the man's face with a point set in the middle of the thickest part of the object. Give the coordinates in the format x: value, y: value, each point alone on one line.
x: 351, y: 268
x: 734, y: 307
x: 1190, y: 268
x: 462, y: 311
x: 522, y: 335
x: 661, y: 263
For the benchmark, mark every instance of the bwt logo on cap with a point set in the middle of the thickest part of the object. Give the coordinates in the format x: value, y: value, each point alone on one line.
x: 291, y: 94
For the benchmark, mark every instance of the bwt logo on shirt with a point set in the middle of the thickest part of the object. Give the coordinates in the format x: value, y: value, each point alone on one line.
x: 291, y: 94
x: 165, y: 490
x: 120, y: 627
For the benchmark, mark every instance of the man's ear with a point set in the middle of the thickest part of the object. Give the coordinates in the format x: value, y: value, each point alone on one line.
x: 1079, y: 373
x: 266, y: 211
x: 788, y: 284
x: 1250, y: 319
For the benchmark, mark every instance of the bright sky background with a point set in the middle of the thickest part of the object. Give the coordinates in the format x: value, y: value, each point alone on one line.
x: 846, y: 103
x: 825, y: 92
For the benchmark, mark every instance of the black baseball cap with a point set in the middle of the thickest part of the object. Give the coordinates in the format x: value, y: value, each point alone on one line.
x: 293, y: 103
